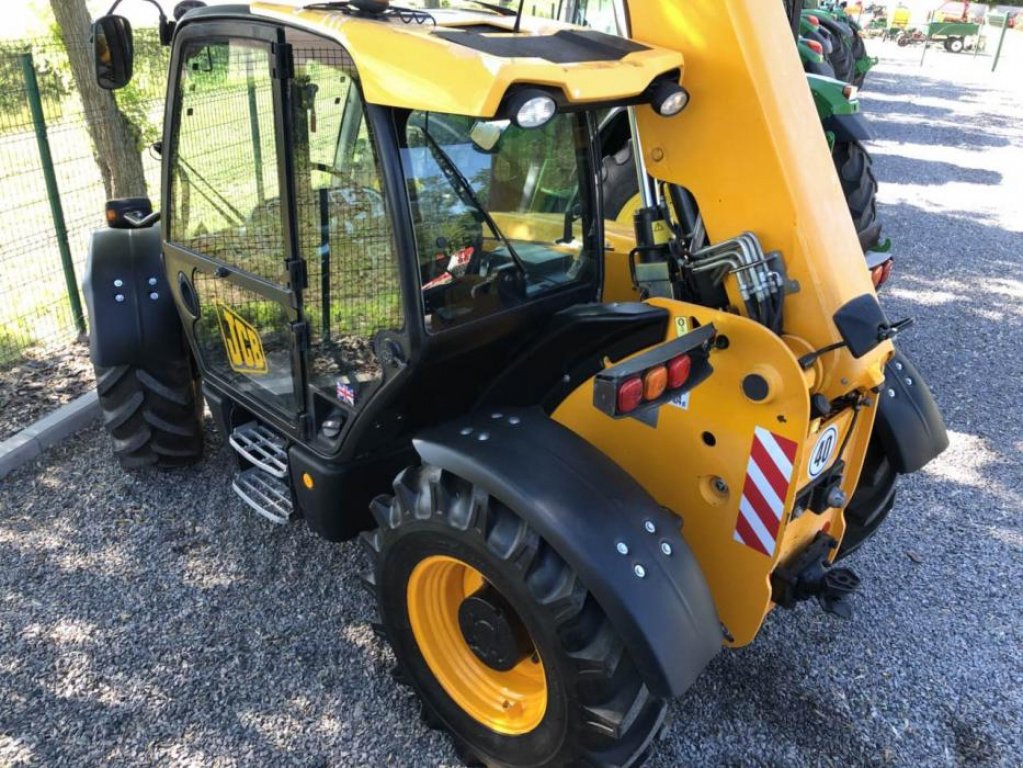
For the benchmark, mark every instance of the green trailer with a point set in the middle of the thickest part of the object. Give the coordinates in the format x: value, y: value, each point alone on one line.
x: 954, y: 35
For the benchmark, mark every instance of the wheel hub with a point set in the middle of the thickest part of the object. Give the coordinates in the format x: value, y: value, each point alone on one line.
x: 492, y: 630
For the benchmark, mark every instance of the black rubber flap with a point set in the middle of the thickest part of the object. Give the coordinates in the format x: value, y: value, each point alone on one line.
x: 565, y: 47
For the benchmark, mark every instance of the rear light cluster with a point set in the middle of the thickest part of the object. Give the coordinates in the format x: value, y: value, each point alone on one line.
x: 816, y: 47
x: 637, y: 386
x: 879, y: 275
x: 653, y: 383
x: 813, y: 21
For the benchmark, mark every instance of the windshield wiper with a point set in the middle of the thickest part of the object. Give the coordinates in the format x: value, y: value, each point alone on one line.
x: 498, y: 9
x: 452, y: 172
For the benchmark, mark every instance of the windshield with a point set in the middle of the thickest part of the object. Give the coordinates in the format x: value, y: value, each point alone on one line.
x: 500, y: 214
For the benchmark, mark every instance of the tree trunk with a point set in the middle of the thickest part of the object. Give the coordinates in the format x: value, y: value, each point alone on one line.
x: 114, y: 139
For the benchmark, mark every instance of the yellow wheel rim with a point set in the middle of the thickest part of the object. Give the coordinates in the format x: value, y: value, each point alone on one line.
x: 512, y: 702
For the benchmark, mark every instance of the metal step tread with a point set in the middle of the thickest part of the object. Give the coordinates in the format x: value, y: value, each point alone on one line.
x: 270, y: 497
x: 261, y: 447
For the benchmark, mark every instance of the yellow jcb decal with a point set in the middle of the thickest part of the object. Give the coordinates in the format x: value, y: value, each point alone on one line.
x: 241, y: 342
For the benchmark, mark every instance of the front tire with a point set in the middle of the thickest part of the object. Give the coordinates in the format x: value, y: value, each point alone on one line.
x: 152, y: 413
x: 566, y: 694
x: 859, y: 184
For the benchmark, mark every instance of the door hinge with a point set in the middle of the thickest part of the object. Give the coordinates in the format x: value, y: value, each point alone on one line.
x: 301, y: 333
x: 284, y: 62
x: 305, y: 426
x: 298, y: 275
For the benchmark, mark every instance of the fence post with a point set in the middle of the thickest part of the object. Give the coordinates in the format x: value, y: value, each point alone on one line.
x: 1001, y: 40
x: 35, y: 104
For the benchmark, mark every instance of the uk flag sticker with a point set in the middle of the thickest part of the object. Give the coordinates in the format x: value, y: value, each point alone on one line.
x: 768, y: 476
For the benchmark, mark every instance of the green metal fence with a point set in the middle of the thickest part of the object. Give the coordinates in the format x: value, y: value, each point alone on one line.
x: 51, y: 191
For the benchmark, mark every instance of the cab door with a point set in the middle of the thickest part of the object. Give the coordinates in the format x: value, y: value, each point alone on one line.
x: 229, y: 246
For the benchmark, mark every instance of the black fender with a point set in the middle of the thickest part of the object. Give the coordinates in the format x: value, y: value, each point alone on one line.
x: 590, y: 511
x: 854, y: 127
x: 132, y: 317
x: 909, y: 425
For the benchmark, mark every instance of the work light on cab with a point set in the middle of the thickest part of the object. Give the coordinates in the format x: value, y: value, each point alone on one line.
x: 667, y: 98
x: 531, y: 109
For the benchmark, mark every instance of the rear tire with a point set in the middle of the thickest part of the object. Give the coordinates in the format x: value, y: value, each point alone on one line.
x: 872, y: 500
x: 596, y: 710
x: 153, y: 414
x: 856, y: 173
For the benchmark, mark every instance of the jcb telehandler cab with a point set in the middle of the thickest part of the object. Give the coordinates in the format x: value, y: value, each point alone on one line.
x: 381, y: 263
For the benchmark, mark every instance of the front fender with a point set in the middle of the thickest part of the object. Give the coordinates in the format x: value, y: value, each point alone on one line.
x: 588, y: 508
x: 852, y: 127
x: 132, y: 316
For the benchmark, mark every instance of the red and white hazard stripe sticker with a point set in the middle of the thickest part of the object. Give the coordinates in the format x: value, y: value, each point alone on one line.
x: 768, y: 476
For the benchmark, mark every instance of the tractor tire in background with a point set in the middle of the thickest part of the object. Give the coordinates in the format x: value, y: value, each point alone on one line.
x: 859, y: 51
x: 504, y: 645
x: 856, y: 174
x: 618, y: 177
x: 841, y: 58
x: 153, y: 414
x: 853, y: 163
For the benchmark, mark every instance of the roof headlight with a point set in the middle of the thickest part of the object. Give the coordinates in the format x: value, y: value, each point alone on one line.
x: 531, y: 109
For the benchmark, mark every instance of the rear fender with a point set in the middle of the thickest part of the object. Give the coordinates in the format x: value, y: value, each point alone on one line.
x: 588, y: 509
x: 132, y: 317
x: 909, y: 424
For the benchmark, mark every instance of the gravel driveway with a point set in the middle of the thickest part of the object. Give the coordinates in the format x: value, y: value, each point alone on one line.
x: 149, y: 620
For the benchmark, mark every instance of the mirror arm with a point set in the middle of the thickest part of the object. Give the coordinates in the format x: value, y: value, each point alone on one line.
x: 166, y: 28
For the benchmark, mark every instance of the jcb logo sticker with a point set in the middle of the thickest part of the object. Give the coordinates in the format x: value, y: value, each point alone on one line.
x: 242, y: 343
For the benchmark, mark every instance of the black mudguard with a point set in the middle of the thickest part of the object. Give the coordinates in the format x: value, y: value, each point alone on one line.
x: 585, y: 506
x: 854, y: 127
x: 908, y: 425
x: 138, y: 327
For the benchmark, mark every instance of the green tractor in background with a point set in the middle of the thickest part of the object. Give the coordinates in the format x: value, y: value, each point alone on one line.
x: 848, y: 53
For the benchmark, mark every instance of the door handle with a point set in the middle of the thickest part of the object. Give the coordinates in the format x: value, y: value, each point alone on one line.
x: 221, y: 272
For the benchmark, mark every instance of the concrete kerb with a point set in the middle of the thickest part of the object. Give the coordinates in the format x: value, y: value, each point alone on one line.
x: 50, y: 430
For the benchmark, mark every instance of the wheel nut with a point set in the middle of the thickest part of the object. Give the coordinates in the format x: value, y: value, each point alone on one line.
x: 649, y: 526
x: 640, y: 571
x: 622, y: 547
x: 666, y: 548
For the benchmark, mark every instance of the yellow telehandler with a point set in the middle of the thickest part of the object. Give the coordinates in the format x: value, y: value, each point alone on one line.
x: 583, y: 460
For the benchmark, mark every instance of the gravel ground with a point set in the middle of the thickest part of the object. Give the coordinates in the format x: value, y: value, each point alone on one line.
x: 148, y: 620
x: 42, y: 382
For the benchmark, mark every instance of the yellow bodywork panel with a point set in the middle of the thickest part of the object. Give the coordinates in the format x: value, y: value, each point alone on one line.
x: 694, y: 461
x: 407, y: 66
x: 750, y: 149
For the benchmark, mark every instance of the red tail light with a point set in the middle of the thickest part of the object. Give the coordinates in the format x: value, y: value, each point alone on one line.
x: 630, y: 394
x: 678, y: 371
x: 876, y: 276
x: 816, y: 47
x: 813, y: 20
x: 887, y: 271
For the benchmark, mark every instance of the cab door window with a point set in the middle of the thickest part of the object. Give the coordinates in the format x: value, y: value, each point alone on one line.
x: 344, y: 229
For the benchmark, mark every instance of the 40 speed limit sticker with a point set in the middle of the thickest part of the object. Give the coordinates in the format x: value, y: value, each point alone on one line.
x: 823, y: 450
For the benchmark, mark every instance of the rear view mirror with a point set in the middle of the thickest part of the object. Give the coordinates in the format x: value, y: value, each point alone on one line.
x: 486, y: 134
x: 114, y: 51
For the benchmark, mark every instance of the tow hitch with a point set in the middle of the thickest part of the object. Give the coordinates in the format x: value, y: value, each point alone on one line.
x: 809, y: 575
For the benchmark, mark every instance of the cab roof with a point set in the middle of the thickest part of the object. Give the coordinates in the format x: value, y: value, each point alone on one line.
x: 463, y: 62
